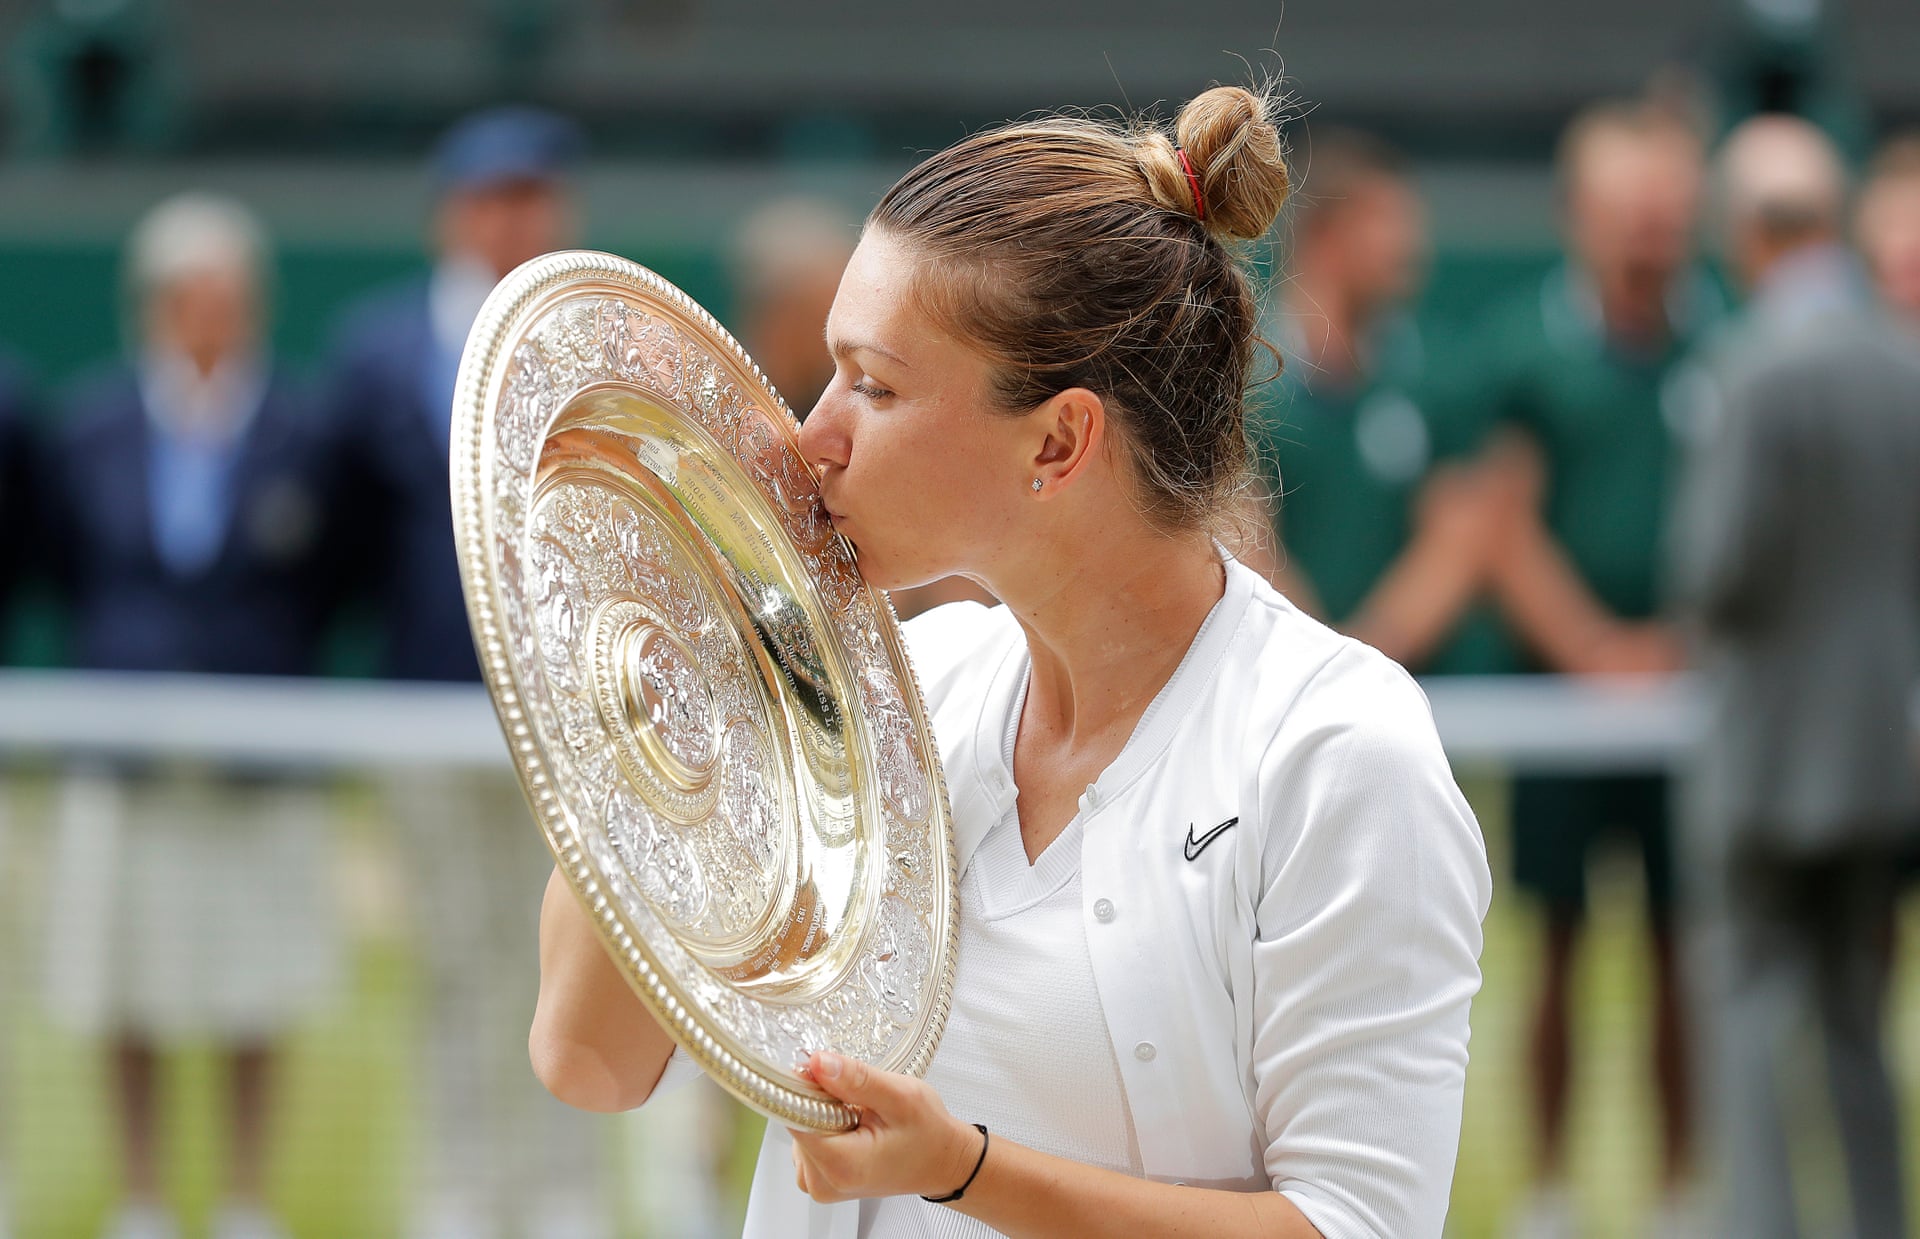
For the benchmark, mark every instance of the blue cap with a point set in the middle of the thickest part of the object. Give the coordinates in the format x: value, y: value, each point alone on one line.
x: 506, y: 144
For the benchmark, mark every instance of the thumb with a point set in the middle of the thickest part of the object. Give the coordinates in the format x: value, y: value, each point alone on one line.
x: 852, y: 1081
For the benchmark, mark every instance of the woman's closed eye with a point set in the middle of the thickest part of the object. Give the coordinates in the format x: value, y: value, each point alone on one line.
x: 868, y: 388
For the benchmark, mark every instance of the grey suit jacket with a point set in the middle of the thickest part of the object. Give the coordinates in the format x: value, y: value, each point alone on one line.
x: 1797, y: 560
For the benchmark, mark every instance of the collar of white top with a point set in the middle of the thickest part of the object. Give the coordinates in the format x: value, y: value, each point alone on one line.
x: 992, y: 754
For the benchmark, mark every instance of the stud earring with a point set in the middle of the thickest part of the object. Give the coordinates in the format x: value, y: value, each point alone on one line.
x: 1037, y: 483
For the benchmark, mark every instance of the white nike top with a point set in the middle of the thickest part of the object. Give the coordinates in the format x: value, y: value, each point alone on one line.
x: 1288, y: 1008
x: 1023, y: 994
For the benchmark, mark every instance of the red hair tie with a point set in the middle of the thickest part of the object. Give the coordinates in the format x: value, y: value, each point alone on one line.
x: 1193, y: 182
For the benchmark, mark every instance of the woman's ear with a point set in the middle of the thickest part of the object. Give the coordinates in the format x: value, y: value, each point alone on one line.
x: 1072, y: 427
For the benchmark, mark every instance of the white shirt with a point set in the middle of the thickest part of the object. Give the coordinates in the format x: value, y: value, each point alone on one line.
x: 197, y: 421
x: 1024, y: 996
x: 1289, y: 1006
x: 212, y: 409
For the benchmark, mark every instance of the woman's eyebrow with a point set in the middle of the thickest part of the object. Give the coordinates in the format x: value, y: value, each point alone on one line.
x: 844, y: 348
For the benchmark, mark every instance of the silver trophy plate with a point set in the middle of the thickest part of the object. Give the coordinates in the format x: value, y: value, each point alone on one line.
x: 712, y: 715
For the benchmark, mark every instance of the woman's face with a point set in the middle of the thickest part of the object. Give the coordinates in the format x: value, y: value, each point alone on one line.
x: 917, y: 467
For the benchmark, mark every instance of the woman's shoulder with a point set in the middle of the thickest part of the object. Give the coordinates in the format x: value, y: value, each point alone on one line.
x: 1331, y: 715
x: 1298, y: 671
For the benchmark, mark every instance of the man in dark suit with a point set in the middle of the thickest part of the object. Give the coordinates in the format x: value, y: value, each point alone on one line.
x: 502, y: 199
x: 500, y: 1155
x: 1798, y: 564
x: 185, y: 499
x: 16, y: 495
x: 16, y: 535
x: 184, y: 520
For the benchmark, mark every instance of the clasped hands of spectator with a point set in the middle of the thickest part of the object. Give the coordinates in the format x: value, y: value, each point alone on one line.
x: 1483, y: 519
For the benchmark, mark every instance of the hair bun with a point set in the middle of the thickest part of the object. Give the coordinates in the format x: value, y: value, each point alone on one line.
x: 1234, y: 148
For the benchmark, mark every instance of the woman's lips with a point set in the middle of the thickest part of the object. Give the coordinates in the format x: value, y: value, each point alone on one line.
x: 840, y: 526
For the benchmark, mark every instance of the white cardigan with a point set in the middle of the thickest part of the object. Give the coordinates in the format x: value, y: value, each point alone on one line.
x: 1289, y: 1007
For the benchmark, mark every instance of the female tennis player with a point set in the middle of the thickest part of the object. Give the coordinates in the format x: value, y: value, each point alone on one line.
x: 1220, y: 899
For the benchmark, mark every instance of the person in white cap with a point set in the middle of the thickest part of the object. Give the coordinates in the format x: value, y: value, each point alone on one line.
x: 186, y: 507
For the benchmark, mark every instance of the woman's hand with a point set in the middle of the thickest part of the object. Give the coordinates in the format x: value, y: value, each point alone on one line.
x: 906, y: 1143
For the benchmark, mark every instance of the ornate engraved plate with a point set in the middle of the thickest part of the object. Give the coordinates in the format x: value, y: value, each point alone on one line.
x: 711, y: 714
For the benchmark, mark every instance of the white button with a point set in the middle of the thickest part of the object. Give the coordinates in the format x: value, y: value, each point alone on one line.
x: 1145, y: 1051
x: 1103, y: 910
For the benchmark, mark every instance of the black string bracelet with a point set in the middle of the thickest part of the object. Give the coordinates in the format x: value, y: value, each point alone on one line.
x: 985, y: 1139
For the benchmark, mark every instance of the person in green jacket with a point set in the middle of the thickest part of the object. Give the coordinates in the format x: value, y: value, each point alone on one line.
x: 1584, y: 391
x: 1373, y: 536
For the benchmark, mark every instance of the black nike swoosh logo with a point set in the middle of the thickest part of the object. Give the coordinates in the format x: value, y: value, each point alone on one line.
x: 1196, y: 846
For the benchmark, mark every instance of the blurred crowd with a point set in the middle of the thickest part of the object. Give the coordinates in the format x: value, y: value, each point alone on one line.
x: 1641, y: 462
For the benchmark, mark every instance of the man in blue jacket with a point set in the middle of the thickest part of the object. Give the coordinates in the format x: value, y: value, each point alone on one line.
x: 184, y: 519
x: 15, y: 538
x: 500, y: 180
x: 500, y: 1153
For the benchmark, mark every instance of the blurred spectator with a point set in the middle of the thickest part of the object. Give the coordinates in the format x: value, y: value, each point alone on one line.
x: 1581, y: 385
x: 184, y: 505
x: 1798, y: 561
x: 16, y: 501
x: 786, y: 262
x: 1889, y: 227
x: 1373, y: 538
x: 15, y: 535
x: 500, y: 1153
x: 502, y: 199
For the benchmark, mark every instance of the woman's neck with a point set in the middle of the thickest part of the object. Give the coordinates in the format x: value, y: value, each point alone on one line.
x: 1107, y: 626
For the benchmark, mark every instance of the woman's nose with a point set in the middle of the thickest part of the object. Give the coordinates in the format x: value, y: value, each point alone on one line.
x: 823, y: 436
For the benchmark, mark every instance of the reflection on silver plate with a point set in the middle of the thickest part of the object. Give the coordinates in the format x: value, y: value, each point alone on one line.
x: 711, y: 714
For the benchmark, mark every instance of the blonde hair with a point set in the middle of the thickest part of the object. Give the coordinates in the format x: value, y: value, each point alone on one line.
x: 1637, y: 119
x: 1080, y: 253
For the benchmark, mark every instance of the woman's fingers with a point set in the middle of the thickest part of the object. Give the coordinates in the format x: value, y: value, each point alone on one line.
x: 858, y: 1084
x: 905, y: 1139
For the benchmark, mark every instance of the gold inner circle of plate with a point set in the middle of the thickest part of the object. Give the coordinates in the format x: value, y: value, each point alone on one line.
x: 621, y: 444
x: 667, y: 703
x: 714, y: 720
